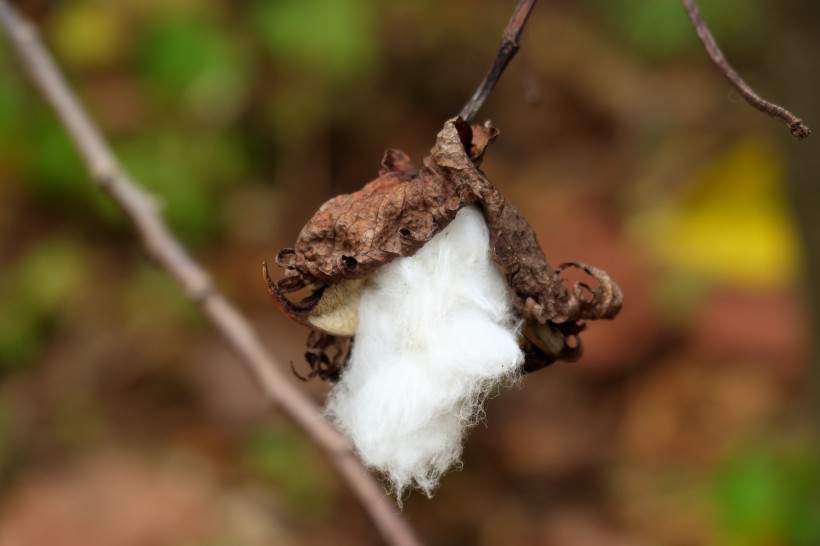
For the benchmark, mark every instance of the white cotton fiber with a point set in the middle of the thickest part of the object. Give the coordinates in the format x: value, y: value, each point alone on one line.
x: 436, y: 334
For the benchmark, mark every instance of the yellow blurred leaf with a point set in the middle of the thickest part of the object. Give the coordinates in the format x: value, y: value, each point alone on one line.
x: 732, y: 224
x: 89, y: 34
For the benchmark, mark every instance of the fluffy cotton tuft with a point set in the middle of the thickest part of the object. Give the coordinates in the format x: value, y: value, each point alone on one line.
x: 436, y: 334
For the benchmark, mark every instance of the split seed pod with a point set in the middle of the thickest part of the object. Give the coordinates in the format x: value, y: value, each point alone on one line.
x: 352, y: 235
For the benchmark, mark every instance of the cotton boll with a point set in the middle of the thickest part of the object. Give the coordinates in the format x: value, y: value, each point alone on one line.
x: 436, y: 335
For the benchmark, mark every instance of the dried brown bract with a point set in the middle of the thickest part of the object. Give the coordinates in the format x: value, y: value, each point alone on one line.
x: 354, y: 234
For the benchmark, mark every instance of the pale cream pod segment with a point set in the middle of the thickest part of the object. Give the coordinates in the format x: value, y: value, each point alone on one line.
x: 337, y: 312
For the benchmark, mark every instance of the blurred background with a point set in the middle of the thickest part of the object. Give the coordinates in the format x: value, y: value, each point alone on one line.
x: 692, y: 419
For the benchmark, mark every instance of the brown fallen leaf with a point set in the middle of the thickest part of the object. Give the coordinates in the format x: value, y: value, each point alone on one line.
x: 352, y: 235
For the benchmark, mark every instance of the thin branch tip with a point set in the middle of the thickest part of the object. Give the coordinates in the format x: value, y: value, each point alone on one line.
x: 795, y: 124
x: 799, y: 129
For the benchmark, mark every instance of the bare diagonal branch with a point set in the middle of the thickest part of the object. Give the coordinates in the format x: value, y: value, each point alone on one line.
x: 796, y: 125
x: 509, y: 47
x: 165, y: 249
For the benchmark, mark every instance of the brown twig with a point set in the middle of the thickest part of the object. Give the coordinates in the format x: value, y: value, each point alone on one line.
x: 796, y: 125
x: 509, y: 47
x: 167, y: 251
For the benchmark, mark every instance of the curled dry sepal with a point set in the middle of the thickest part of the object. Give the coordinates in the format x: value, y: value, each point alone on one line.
x: 352, y: 235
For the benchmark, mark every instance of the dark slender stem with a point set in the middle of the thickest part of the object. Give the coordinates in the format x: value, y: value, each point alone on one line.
x: 796, y: 125
x: 509, y: 47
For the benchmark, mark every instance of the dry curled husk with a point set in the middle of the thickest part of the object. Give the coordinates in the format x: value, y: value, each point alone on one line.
x: 352, y: 235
